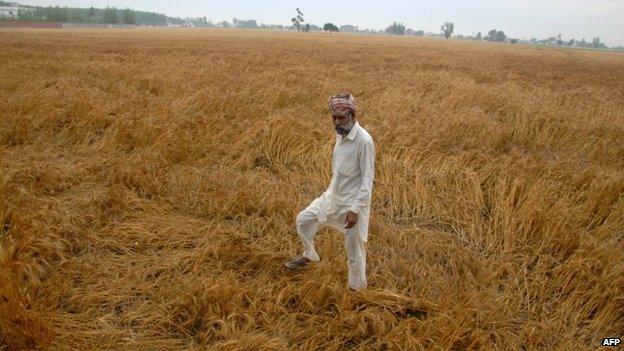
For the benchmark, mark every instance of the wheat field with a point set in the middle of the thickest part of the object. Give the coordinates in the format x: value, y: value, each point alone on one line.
x: 150, y: 180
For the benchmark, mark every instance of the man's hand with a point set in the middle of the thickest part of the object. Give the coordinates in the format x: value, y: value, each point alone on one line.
x: 351, y: 219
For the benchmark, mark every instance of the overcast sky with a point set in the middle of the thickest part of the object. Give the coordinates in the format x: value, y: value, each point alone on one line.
x: 518, y: 18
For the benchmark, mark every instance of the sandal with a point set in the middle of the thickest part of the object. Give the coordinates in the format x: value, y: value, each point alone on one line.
x: 299, y: 262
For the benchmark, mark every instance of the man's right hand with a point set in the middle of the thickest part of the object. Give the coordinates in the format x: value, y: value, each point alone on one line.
x: 351, y: 219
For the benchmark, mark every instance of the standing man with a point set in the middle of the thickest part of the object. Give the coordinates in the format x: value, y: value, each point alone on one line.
x: 345, y: 205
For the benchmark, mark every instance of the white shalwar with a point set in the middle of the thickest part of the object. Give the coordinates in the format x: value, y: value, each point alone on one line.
x: 350, y: 189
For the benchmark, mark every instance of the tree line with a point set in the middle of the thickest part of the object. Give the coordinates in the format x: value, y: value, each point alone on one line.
x: 109, y: 15
x: 496, y: 35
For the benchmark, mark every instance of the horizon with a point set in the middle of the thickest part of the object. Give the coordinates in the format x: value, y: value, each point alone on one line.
x: 578, y: 19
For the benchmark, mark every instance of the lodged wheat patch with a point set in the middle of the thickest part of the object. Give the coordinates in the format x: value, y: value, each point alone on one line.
x: 150, y: 179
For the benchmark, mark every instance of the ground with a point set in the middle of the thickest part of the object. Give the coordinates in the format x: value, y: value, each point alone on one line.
x: 150, y: 180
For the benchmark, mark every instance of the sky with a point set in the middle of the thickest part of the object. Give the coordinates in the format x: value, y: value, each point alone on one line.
x: 522, y: 19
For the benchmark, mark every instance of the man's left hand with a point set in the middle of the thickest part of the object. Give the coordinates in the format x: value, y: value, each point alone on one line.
x: 351, y: 219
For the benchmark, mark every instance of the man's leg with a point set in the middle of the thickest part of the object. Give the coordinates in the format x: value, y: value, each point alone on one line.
x: 356, y: 259
x: 307, y: 225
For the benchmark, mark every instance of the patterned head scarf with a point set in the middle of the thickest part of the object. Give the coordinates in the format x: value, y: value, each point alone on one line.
x: 342, y: 102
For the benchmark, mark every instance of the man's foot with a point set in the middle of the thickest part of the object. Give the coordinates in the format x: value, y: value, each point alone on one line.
x: 298, y: 262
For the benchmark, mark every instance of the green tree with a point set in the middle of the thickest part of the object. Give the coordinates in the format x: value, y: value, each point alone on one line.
x: 110, y: 15
x: 29, y: 13
x: 597, y: 44
x: 93, y: 15
x: 297, y: 20
x: 500, y: 36
x: 252, y: 23
x: 330, y: 27
x: 128, y: 16
x: 496, y: 35
x: 76, y: 15
x: 447, y: 29
x: 491, y: 35
x: 23, y: 15
x: 56, y: 14
x: 396, y: 29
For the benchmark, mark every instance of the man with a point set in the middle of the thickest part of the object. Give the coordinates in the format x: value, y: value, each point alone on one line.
x: 345, y: 205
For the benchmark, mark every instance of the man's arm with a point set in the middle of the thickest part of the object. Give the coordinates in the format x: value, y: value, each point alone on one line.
x: 367, y: 174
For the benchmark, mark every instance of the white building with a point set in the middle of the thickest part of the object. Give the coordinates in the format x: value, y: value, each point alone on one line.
x: 8, y: 11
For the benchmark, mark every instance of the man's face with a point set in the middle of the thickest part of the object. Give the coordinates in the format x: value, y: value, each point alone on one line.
x: 342, y: 120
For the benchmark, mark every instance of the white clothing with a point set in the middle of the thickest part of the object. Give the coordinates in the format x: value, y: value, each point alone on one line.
x: 351, y: 186
x: 350, y: 189
x: 307, y: 227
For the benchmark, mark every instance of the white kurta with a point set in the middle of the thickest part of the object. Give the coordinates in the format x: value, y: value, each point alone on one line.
x: 351, y: 186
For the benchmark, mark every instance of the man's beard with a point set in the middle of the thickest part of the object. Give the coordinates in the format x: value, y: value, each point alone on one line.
x: 344, y: 130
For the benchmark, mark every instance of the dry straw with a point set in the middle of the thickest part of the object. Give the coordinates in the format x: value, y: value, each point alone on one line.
x: 149, y: 182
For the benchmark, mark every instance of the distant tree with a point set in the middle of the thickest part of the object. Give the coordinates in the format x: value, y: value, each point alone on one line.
x: 110, y: 15
x: 306, y: 28
x: 479, y: 36
x: 56, y: 14
x: 197, y: 22
x: 550, y: 41
x: 76, y: 15
x: 559, y: 41
x: 496, y: 35
x: 238, y: 23
x: 491, y: 35
x: 500, y: 36
x: 128, y: 16
x: 514, y: 41
x: 419, y: 33
x: 91, y: 14
x: 447, y: 29
x: 570, y: 42
x: 64, y: 14
x: 348, y: 28
x: 297, y: 20
x: 597, y: 44
x: 396, y: 29
x: 225, y: 24
x: 21, y: 14
x: 330, y: 27
x: 400, y: 29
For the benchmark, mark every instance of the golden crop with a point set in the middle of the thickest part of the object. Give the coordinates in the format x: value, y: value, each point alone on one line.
x: 150, y: 179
